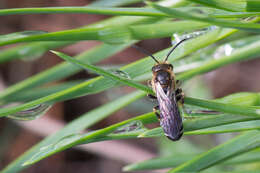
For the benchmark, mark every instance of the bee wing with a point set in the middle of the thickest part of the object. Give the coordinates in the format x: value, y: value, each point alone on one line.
x: 170, y: 119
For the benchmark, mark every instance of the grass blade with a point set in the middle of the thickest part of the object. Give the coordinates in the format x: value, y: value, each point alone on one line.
x: 74, y: 127
x: 117, y: 34
x: 223, y: 23
x: 231, y: 5
x: 104, y: 73
x: 238, y: 145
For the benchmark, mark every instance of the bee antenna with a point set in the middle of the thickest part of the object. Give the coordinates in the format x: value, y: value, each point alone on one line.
x: 175, y: 47
x: 145, y: 52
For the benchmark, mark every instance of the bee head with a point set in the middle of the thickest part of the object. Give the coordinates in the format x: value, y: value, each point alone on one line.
x: 163, y: 73
x: 163, y: 67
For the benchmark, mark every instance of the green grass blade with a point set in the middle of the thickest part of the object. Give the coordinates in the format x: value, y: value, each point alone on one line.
x: 173, y: 161
x: 247, y: 52
x: 223, y: 107
x: 63, y: 70
x: 100, y: 84
x: 215, y: 13
x: 238, y: 145
x: 104, y: 73
x: 250, y: 157
x: 236, y: 127
x: 22, y: 51
x: 191, y: 124
x: 217, y: 123
x: 29, y: 50
x: 13, y: 53
x: 88, y: 10
x: 99, y: 135
x: 202, y: 18
x: 109, y: 34
x: 159, y: 163
x: 39, y: 92
x: 231, y: 5
x: 108, y: 3
x: 74, y: 127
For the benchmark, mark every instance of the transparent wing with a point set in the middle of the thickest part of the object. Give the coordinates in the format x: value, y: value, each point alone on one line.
x: 170, y: 119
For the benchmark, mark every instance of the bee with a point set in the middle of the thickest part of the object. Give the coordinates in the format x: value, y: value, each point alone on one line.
x: 168, y: 95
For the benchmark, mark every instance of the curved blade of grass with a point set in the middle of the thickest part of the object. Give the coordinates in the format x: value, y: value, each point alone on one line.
x: 250, y: 51
x: 92, y: 82
x: 29, y: 50
x: 88, y: 10
x: 104, y: 73
x: 228, y: 128
x: 231, y: 5
x: 202, y: 121
x: 39, y: 92
x: 211, y: 12
x: 173, y: 161
x: 76, y: 126
x: 13, y: 53
x: 108, y: 3
x: 236, y: 127
x: 63, y: 70
x: 136, y: 69
x: 32, y: 48
x: 92, y: 56
x: 238, y: 145
x: 203, y: 18
x: 223, y: 107
x: 9, y: 111
x: 159, y: 163
x: 99, y: 135
x: 250, y: 157
x: 109, y: 34
x: 99, y: 84
x: 103, y: 134
x: 148, y: 119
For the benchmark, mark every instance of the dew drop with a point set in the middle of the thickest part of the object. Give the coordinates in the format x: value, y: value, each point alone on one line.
x: 67, y: 140
x: 46, y: 150
x: 180, y: 36
x: 43, y: 152
x: 224, y: 50
x: 134, y: 126
x: 30, y: 114
x: 121, y: 73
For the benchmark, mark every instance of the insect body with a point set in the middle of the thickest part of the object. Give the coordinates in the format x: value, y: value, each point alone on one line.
x: 163, y: 84
x: 167, y: 95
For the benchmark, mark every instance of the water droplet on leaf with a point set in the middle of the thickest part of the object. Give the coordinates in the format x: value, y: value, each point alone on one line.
x: 121, y: 73
x: 31, y: 113
x: 132, y: 127
x: 180, y: 36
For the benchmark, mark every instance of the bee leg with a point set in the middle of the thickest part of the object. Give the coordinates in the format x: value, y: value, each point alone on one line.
x: 178, y: 83
x: 178, y: 91
x: 152, y: 96
x: 155, y: 109
x: 149, y: 83
x: 179, y: 95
